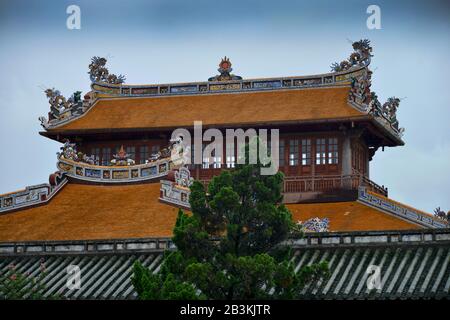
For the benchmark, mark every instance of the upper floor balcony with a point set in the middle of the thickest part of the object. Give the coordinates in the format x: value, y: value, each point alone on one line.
x: 297, y: 188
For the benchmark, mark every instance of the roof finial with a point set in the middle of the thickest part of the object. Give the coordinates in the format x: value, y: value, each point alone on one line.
x: 361, y: 57
x: 99, y: 73
x: 225, y: 71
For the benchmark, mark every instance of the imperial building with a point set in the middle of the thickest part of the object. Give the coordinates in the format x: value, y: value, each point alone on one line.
x: 116, y: 192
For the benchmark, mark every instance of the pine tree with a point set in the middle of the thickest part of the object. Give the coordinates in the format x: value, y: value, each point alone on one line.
x: 231, y: 246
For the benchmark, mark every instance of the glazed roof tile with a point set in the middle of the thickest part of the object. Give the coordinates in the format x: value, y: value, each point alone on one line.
x: 224, y: 109
x: 80, y: 211
x: 409, y: 270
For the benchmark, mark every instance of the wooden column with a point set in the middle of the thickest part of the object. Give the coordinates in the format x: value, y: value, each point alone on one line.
x: 347, y: 160
x: 367, y: 166
x: 313, y: 163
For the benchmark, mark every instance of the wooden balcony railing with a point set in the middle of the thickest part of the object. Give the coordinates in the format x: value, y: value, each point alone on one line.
x: 372, y: 186
x: 298, y: 184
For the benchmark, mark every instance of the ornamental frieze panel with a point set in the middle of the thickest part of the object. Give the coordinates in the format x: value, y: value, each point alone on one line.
x: 122, y: 168
x: 315, y: 225
x: 111, y: 174
x: 32, y: 195
x: 228, y: 86
x: 93, y: 173
x: 399, y: 210
x: 146, y: 172
x: 120, y: 174
x: 183, y: 89
x: 177, y: 192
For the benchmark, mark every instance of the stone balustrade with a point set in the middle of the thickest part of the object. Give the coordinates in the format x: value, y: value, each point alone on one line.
x: 323, y: 239
x: 114, y: 174
x: 85, y: 246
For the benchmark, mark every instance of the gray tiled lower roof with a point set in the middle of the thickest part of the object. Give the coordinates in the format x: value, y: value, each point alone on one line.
x: 411, y: 269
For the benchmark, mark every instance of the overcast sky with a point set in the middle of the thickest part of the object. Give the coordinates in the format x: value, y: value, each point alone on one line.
x: 177, y: 41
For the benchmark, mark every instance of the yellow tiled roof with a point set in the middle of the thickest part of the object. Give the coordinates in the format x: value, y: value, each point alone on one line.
x: 216, y: 109
x: 79, y: 212
x: 349, y: 216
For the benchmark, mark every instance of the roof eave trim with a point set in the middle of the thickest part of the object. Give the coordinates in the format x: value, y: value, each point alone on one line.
x: 54, y: 133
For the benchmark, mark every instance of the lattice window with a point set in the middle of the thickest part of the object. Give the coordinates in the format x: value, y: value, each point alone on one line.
x: 321, y: 151
x: 96, y: 153
x: 143, y: 154
x: 306, y: 152
x: 333, y: 153
x: 230, y: 156
x: 192, y: 165
x: 205, y: 164
x: 217, y: 162
x: 155, y: 149
x: 106, y: 156
x: 293, y: 152
x: 205, y: 161
x: 281, y: 155
x: 132, y: 152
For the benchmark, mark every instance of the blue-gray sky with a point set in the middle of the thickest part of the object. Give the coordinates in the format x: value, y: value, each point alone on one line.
x: 176, y: 41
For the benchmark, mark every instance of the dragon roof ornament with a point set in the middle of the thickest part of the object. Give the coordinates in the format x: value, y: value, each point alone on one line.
x: 225, y: 72
x: 353, y: 71
x: 60, y: 107
x: 360, y: 92
x: 99, y: 73
x: 360, y: 57
x: 69, y: 152
x: 441, y: 214
x: 361, y: 95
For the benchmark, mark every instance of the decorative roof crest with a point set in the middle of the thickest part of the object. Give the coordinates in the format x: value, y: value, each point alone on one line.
x: 179, y: 151
x: 60, y: 107
x: 69, y: 152
x: 122, y: 158
x: 441, y: 214
x: 360, y: 57
x: 225, y: 71
x: 99, y: 73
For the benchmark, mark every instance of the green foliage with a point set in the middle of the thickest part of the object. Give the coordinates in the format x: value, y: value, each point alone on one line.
x: 15, y: 285
x: 230, y: 246
x: 151, y: 286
